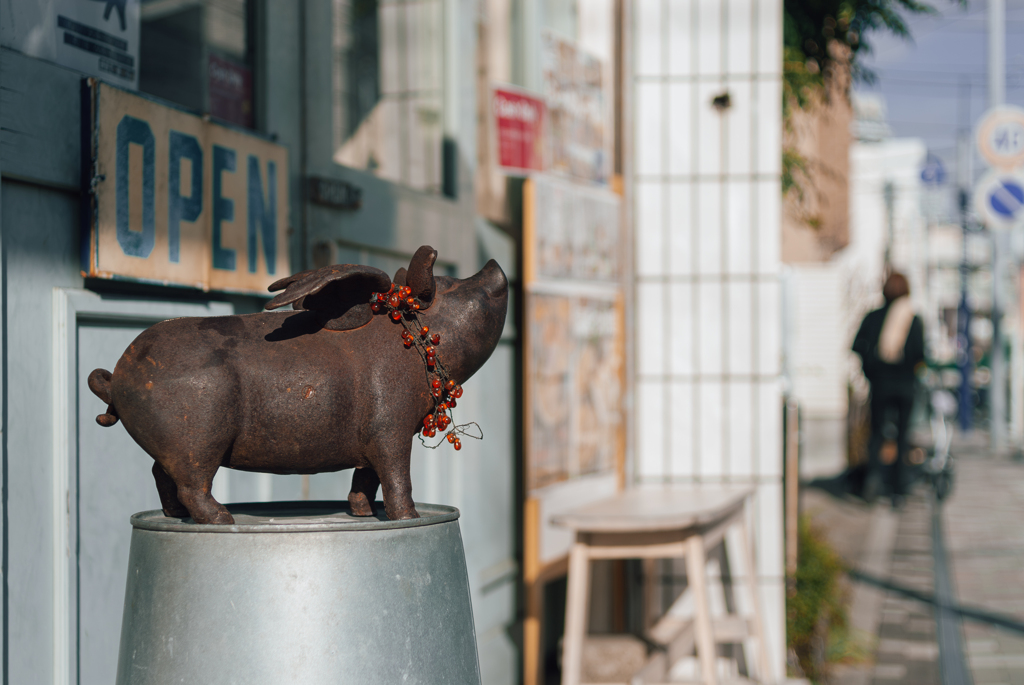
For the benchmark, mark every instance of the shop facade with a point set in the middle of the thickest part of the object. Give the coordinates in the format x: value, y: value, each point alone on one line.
x: 370, y: 108
x: 386, y: 125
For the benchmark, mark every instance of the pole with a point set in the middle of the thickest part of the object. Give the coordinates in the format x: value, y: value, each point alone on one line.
x: 996, y: 52
x: 996, y: 97
x: 997, y: 384
x: 963, y: 332
x: 889, y: 192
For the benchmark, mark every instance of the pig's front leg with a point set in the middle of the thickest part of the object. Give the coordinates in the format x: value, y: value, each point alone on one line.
x: 364, y: 491
x: 393, y: 470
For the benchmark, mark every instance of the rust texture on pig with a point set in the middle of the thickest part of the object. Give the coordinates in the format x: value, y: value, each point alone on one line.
x: 324, y: 387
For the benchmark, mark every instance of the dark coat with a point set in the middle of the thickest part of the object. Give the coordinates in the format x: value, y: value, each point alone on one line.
x: 888, y: 379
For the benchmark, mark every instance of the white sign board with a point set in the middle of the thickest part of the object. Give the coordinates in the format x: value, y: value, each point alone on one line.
x: 100, y: 38
x: 1000, y: 137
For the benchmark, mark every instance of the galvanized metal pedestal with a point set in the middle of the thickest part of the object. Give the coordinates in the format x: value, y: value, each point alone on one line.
x: 298, y: 592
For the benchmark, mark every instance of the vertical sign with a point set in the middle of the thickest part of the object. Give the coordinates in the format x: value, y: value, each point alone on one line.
x: 519, y: 127
x: 230, y: 91
x: 99, y: 37
x: 574, y: 88
x: 179, y: 200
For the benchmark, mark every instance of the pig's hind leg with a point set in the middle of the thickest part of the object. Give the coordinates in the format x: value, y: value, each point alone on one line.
x: 194, y: 481
x: 168, y: 493
x: 364, y: 491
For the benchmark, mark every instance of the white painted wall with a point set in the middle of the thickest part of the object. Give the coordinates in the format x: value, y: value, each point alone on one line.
x: 706, y: 197
x: 872, y: 164
x: 818, y: 348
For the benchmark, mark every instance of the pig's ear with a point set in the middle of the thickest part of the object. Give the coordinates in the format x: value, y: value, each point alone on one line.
x: 400, y: 276
x: 421, y: 274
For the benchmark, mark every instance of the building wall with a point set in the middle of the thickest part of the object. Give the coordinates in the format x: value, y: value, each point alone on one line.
x: 818, y: 353
x: 39, y: 226
x: 705, y: 193
x: 816, y: 215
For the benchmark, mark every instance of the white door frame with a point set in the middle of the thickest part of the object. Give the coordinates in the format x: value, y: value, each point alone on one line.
x: 71, y: 306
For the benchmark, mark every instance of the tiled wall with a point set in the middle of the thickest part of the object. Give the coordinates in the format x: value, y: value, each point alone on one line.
x: 706, y: 210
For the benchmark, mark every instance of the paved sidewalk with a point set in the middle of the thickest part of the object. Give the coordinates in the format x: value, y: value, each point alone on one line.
x: 893, y: 581
x: 984, y: 525
x: 890, y: 549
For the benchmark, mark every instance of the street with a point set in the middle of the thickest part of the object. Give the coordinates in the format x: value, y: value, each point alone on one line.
x: 935, y: 599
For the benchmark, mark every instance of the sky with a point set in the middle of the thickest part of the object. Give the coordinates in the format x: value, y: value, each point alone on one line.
x: 935, y: 85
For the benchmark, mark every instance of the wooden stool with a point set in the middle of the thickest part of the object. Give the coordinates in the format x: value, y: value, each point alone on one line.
x: 663, y: 523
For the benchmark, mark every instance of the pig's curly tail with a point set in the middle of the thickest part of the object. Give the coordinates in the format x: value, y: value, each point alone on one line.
x: 99, y: 383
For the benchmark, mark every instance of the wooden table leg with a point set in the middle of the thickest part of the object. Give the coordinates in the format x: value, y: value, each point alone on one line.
x: 532, y: 633
x: 696, y: 578
x: 575, y: 614
x: 747, y: 542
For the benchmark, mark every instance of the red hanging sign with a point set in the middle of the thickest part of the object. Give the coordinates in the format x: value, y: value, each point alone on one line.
x: 519, y: 122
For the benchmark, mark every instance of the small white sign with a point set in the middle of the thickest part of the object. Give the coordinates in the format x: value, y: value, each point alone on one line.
x: 999, y: 199
x: 100, y: 38
x: 1000, y: 137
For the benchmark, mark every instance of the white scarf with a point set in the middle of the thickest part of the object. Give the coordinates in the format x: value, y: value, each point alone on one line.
x: 895, y: 329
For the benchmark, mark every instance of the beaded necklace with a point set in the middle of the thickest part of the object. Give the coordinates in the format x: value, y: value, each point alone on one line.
x: 401, y: 307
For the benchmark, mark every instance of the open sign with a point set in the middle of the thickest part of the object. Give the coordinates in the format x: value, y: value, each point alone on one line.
x: 176, y: 199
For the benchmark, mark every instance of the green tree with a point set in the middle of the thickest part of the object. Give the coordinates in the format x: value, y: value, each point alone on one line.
x: 823, y: 41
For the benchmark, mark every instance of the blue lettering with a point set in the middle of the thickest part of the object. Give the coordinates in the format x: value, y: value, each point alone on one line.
x: 223, y: 208
x: 135, y: 131
x: 180, y: 208
x: 262, y: 216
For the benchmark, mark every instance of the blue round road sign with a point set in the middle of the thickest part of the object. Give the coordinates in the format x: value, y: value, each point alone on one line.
x: 933, y: 173
x: 1007, y: 198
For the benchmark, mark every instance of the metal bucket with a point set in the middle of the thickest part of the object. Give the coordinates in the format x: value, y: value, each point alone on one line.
x: 298, y: 592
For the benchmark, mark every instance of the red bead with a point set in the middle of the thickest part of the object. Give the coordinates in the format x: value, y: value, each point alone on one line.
x: 424, y: 331
x: 435, y: 383
x: 436, y: 339
x: 450, y: 385
x: 431, y: 433
x: 410, y: 302
x: 457, y: 392
x: 375, y: 308
x: 426, y: 429
x: 436, y: 392
x: 451, y: 437
x: 396, y: 315
x: 408, y: 344
x: 393, y: 300
x: 406, y: 291
x: 381, y: 297
x: 430, y: 351
x: 428, y: 419
x: 416, y: 306
x: 457, y: 444
x: 451, y: 403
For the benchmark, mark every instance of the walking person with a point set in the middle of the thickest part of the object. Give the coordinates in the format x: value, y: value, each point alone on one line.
x: 890, y: 344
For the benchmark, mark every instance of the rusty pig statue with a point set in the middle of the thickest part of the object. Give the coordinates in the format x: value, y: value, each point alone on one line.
x: 336, y: 384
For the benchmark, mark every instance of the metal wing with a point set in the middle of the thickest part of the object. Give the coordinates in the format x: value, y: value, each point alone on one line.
x: 340, y: 284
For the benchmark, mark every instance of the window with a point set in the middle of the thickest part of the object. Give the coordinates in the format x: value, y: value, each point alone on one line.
x: 199, y: 54
x: 388, y: 63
